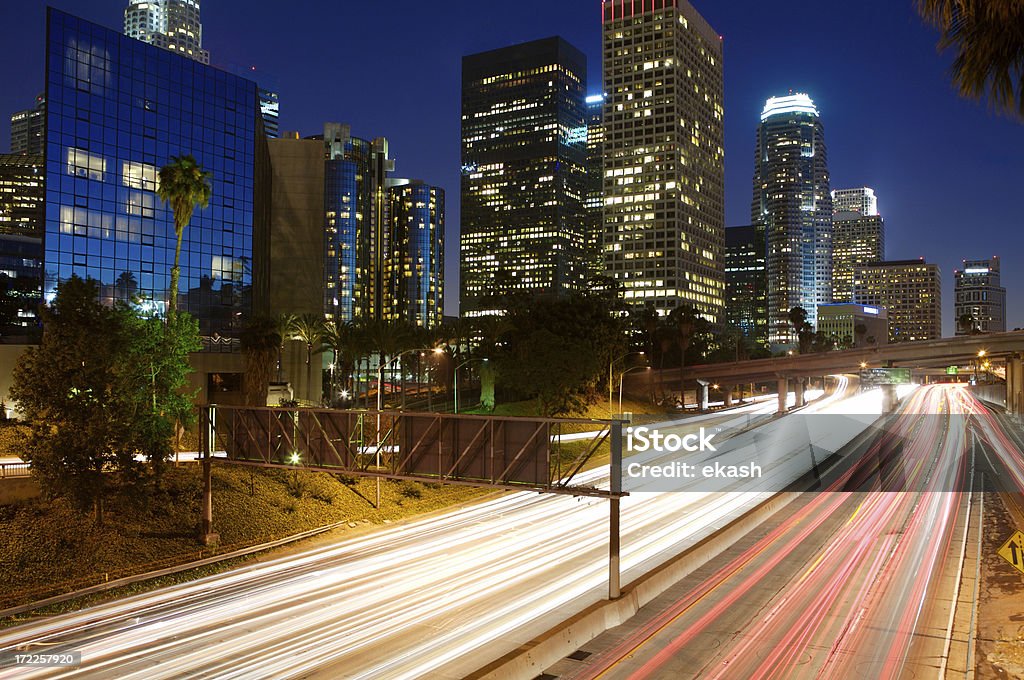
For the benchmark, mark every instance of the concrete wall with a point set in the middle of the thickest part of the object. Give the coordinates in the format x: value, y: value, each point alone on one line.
x: 18, y: 489
x: 297, y: 227
x: 993, y: 394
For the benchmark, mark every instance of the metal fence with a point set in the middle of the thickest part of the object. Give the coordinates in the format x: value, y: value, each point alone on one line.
x: 503, y: 452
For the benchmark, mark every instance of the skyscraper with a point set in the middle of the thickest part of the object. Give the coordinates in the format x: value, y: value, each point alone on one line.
x: 171, y: 24
x: 524, y: 137
x: 746, y: 282
x: 107, y: 136
x: 22, y: 217
x: 793, y: 204
x: 28, y: 129
x: 356, y: 224
x: 861, y: 200
x: 857, y: 239
x: 980, y: 299
x: 270, y: 111
x: 664, y: 218
x: 595, y: 184
x: 415, y: 276
x: 911, y: 293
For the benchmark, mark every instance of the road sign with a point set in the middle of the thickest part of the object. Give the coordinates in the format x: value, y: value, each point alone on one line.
x: 1013, y: 551
x: 952, y: 370
x: 885, y: 376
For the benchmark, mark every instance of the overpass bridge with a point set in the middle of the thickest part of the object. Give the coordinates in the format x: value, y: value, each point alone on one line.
x: 1007, y: 348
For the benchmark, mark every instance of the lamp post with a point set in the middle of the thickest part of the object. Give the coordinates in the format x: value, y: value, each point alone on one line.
x: 456, y: 379
x: 611, y: 381
x: 380, y: 399
x: 623, y: 375
x: 977, y: 364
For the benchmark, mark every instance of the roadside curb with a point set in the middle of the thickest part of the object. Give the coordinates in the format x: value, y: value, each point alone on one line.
x: 128, y: 580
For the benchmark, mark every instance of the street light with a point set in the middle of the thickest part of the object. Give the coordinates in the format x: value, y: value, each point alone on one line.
x: 456, y: 379
x: 863, y: 365
x: 623, y: 375
x: 380, y: 399
x: 611, y: 382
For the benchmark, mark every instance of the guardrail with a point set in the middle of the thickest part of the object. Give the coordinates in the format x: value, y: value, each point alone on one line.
x: 12, y: 470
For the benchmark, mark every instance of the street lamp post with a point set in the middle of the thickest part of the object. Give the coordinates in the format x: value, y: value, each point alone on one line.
x: 623, y: 375
x: 380, y: 400
x: 611, y: 381
x: 455, y: 379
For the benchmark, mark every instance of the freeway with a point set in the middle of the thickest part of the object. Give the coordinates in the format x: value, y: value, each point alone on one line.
x: 846, y: 584
x: 434, y: 598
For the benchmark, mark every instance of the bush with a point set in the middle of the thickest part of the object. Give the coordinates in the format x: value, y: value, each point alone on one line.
x: 411, y: 490
x: 297, y: 485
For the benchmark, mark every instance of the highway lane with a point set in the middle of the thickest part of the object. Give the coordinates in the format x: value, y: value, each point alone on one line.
x: 842, y: 588
x: 434, y: 598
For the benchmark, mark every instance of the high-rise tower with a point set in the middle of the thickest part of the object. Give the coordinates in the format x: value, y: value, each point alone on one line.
x: 524, y: 137
x: 664, y: 218
x: 28, y: 129
x: 980, y: 303
x: 171, y: 24
x: 793, y: 203
x: 861, y: 200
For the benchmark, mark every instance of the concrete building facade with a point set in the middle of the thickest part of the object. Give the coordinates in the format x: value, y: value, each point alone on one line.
x: 979, y: 295
x: 664, y: 186
x: 911, y: 293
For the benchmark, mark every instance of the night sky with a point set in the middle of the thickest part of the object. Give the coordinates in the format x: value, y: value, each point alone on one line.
x: 949, y: 173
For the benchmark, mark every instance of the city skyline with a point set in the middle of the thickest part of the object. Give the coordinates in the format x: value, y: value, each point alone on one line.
x: 893, y: 140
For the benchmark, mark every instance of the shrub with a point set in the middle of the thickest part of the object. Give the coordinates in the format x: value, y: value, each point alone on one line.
x: 411, y: 490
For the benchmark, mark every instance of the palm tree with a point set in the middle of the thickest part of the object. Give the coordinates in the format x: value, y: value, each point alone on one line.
x: 688, y: 323
x: 988, y: 43
x: 341, y: 338
x: 185, y: 186
x: 308, y: 329
x: 126, y: 286
x: 284, y: 323
x: 260, y: 340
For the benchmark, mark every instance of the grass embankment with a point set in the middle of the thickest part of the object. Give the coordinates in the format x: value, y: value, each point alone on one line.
x: 47, y: 548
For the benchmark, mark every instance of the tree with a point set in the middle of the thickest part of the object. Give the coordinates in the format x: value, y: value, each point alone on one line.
x: 860, y: 331
x: 308, y: 329
x: 583, y: 330
x: 185, y: 186
x: 968, y: 324
x: 687, y: 323
x: 261, y: 341
x: 552, y: 368
x: 104, y: 387
x: 987, y: 38
x: 802, y: 329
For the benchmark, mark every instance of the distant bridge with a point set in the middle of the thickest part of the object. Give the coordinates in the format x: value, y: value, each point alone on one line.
x: 1004, y: 347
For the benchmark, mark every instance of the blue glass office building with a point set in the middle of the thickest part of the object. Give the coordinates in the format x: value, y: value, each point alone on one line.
x: 117, y: 110
x: 416, y: 262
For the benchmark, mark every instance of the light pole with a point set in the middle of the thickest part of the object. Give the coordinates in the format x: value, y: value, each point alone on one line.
x: 380, y: 400
x: 623, y: 375
x: 977, y: 364
x: 456, y: 379
x: 611, y: 381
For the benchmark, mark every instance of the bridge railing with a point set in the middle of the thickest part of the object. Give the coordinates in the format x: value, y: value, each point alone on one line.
x: 12, y: 470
